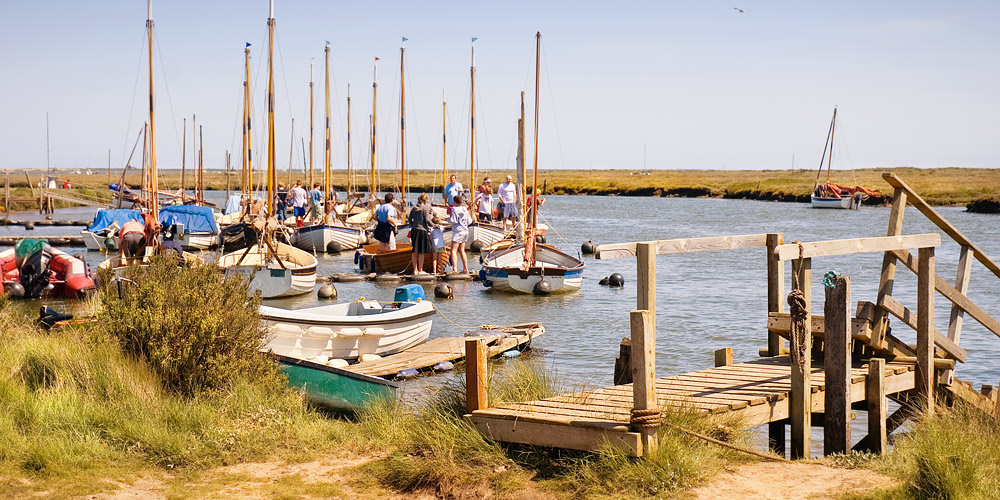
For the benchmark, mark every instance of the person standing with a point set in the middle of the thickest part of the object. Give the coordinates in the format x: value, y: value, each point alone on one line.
x: 460, y: 220
x: 171, y: 247
x: 281, y: 203
x: 508, y: 202
x: 484, y: 201
x: 452, y: 189
x: 437, y: 239
x: 316, y: 203
x: 299, y: 203
x: 385, y: 230
x: 420, y: 233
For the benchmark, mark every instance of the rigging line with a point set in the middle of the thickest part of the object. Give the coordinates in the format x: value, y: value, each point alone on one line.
x: 482, y: 122
x: 135, y: 90
x: 166, y: 86
x: 414, y: 121
x: 238, y: 126
x: 555, y: 118
x: 284, y: 79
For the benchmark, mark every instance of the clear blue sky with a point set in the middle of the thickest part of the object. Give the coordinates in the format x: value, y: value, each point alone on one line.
x: 700, y: 84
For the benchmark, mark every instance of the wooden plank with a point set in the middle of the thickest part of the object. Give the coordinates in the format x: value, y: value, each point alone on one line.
x: 644, y: 359
x: 559, y: 436
x: 682, y: 245
x: 925, y: 328
x: 800, y: 399
x: 957, y: 314
x: 475, y: 375
x: 775, y: 291
x: 646, y: 280
x: 941, y: 222
x: 954, y: 295
x: 912, y: 320
x: 724, y: 357
x: 837, y: 367
x: 781, y: 324
x: 888, y: 276
x: 875, y: 398
x: 623, y: 363
x: 856, y: 245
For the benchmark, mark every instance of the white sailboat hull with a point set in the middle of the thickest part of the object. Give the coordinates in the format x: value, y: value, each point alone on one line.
x: 198, y: 241
x: 347, y: 331
x: 294, y: 275
x: 503, y: 270
x: 841, y: 203
x: 316, y: 238
x: 486, y: 234
x: 95, y: 242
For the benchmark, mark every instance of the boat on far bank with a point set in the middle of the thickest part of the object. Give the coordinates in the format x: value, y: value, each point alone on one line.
x: 830, y: 195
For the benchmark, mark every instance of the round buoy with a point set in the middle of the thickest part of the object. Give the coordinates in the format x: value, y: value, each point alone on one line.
x: 29, y: 225
x: 348, y: 277
x: 334, y: 247
x: 109, y: 243
x: 327, y: 292
x: 540, y: 238
x: 15, y: 290
x: 423, y: 278
x: 407, y: 373
x: 458, y: 277
x: 476, y: 246
x: 48, y: 217
x: 443, y: 291
x: 388, y: 278
x: 616, y: 280
x: 444, y: 366
x: 603, y: 282
x: 588, y: 247
x: 543, y: 287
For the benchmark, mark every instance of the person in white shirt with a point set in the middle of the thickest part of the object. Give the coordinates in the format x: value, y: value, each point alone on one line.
x: 385, y: 230
x: 508, y: 202
x: 484, y: 201
x: 299, y: 197
x: 460, y: 220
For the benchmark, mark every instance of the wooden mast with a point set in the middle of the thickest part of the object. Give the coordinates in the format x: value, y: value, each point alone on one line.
x: 184, y: 156
x: 402, y: 123
x: 521, y: 172
x: 291, y: 150
x: 371, y: 183
x: 472, y: 132
x: 154, y: 206
x: 534, y: 183
x: 833, y: 130
x: 201, y: 168
x: 444, y: 140
x: 312, y: 108
x: 271, y: 177
x: 827, y: 144
x: 326, y: 172
x: 246, y: 184
x: 350, y: 174
x: 194, y: 150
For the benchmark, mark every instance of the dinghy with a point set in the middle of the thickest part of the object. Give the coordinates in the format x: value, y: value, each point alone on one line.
x: 830, y: 195
x: 103, y: 231
x: 194, y: 226
x: 398, y: 261
x: 33, y: 269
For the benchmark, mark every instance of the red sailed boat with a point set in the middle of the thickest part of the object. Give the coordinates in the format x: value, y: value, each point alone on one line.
x: 33, y: 269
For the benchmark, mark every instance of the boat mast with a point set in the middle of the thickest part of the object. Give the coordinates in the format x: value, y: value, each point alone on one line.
x: 291, y: 150
x: 201, y: 166
x: 371, y: 183
x: 833, y: 130
x: 247, y: 181
x: 154, y: 205
x: 326, y: 172
x: 184, y: 156
x: 350, y: 174
x: 194, y: 150
x: 534, y: 188
x: 271, y: 178
x: 827, y: 144
x: 521, y: 173
x: 472, y: 130
x: 444, y: 140
x: 312, y: 108
x: 402, y: 122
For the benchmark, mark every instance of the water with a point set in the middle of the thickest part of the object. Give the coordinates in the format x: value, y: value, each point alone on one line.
x: 705, y: 301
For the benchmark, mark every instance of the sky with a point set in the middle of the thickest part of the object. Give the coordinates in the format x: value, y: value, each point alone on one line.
x: 666, y: 84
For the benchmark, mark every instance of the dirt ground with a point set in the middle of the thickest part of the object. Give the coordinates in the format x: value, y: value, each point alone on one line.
x: 781, y: 481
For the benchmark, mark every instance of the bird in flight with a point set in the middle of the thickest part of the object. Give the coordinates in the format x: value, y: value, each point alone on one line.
x: 737, y: 9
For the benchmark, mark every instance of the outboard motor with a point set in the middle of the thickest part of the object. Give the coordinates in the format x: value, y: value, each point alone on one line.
x: 33, y: 257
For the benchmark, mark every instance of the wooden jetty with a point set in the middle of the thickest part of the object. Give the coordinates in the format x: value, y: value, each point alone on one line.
x: 860, y: 362
x: 425, y: 356
x: 72, y: 240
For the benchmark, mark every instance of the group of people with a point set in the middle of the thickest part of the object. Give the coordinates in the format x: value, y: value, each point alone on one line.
x: 505, y: 211
x: 312, y: 204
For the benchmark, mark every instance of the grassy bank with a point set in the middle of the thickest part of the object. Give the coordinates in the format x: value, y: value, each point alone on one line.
x: 940, y: 186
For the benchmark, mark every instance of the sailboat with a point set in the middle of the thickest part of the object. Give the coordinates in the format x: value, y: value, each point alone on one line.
x: 528, y: 266
x: 150, y: 177
x: 481, y: 233
x: 274, y: 269
x: 830, y: 195
x: 331, y: 234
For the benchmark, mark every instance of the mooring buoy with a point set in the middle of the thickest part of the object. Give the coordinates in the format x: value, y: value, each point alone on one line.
x: 616, y: 280
x: 543, y: 287
x: 603, y: 282
x: 588, y: 247
x: 444, y: 366
x: 29, y: 225
x: 348, y: 277
x: 443, y: 291
x: 407, y: 373
x: 327, y: 292
x: 476, y: 246
x: 15, y: 290
x: 540, y: 238
x: 334, y: 247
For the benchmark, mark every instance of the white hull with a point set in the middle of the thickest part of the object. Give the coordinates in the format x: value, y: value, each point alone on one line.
x: 527, y: 285
x: 95, y: 242
x: 198, y: 241
x: 294, y: 275
x: 346, y: 331
x: 486, y: 234
x: 316, y: 238
x: 842, y: 203
x: 503, y: 271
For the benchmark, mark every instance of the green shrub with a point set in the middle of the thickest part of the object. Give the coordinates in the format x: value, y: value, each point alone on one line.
x: 194, y: 327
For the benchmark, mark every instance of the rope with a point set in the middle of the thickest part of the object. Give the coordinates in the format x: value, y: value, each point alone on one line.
x: 724, y: 444
x: 552, y: 228
x: 830, y: 279
x: 645, y: 419
x: 798, y: 311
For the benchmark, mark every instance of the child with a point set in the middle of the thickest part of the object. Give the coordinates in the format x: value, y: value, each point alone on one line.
x: 460, y: 220
x: 437, y: 238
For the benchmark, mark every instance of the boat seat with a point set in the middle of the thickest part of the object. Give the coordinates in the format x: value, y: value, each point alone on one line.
x: 283, y: 341
x: 316, y: 341
x: 369, y: 307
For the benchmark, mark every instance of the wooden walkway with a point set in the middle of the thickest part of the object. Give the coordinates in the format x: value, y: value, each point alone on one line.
x: 757, y: 392
x: 434, y: 351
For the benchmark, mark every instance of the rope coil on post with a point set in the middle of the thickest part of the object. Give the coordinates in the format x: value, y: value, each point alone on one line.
x: 798, y: 309
x: 645, y: 419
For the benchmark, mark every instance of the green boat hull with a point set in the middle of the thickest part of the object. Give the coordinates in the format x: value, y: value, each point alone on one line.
x: 335, y: 388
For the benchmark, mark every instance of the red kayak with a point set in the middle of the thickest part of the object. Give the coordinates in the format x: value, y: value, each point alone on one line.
x: 33, y: 269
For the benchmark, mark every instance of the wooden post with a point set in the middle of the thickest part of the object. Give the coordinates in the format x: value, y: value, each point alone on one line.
x: 875, y: 397
x: 800, y: 399
x: 837, y: 366
x: 957, y: 314
x: 6, y: 198
x: 925, y: 327
x: 475, y: 375
x: 623, y: 364
x: 724, y: 357
x: 644, y: 372
x: 888, y: 277
x: 775, y: 303
x: 645, y: 254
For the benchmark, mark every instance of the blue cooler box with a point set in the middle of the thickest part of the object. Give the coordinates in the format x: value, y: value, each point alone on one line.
x: 409, y: 293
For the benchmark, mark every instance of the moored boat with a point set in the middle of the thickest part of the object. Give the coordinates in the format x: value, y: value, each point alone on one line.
x: 33, y: 269
x: 273, y: 268
x: 317, y: 238
x: 195, y: 226
x: 102, y: 232
x: 505, y: 269
x: 371, y: 260
x: 334, y: 387
x: 830, y: 195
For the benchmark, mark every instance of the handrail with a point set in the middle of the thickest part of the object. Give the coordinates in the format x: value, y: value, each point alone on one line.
x: 914, y: 199
x: 683, y: 245
x: 855, y: 245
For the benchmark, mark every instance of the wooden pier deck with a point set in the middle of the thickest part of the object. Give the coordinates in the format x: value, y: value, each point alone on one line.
x: 757, y: 392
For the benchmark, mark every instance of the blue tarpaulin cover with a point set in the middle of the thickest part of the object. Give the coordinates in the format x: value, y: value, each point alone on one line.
x: 106, y: 216
x: 233, y: 203
x: 196, y: 219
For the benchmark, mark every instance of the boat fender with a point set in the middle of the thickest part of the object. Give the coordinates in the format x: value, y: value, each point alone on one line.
x: 29, y: 225
x: 357, y: 255
x: 334, y: 247
x: 543, y: 287
x: 588, y: 247
x: 350, y: 332
x: 444, y: 366
x: 374, y: 332
x: 513, y: 353
x: 368, y: 357
x: 284, y: 328
x: 327, y: 292
x: 540, y: 238
x: 603, y: 282
x: 616, y: 280
x: 338, y: 363
x: 407, y: 373
x: 320, y: 359
x: 443, y: 291
x: 15, y: 290
x: 476, y: 245
x: 320, y: 331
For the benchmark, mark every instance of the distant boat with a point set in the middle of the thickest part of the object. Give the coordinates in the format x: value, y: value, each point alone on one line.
x: 830, y: 195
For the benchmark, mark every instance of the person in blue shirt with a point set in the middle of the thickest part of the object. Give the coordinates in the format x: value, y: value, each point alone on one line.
x: 452, y: 189
x: 385, y: 230
x: 316, y: 203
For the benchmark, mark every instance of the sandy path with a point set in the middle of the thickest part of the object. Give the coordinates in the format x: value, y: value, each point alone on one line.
x: 779, y: 481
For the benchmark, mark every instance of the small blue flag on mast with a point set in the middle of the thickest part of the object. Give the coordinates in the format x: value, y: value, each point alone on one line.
x: 405, y: 39
x: 474, y: 39
x: 248, y: 44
